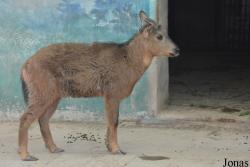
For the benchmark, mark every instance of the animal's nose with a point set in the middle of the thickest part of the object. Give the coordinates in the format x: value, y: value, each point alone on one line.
x: 177, y: 51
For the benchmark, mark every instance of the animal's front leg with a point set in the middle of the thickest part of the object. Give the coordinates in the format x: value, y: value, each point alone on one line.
x: 112, y: 112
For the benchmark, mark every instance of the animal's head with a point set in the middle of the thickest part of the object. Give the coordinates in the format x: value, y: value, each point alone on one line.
x: 156, y: 41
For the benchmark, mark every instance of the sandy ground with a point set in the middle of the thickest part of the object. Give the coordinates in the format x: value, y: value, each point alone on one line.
x: 173, y: 142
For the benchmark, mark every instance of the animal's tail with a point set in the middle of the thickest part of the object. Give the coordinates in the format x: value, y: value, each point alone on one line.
x: 25, y: 91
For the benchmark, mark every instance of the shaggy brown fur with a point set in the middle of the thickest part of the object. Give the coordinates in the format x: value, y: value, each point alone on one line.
x: 109, y: 70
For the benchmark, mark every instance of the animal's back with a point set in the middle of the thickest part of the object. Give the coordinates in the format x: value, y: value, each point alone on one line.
x: 80, y: 70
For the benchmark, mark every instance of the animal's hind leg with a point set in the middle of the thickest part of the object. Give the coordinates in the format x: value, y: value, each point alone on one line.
x: 45, y: 130
x: 32, y: 113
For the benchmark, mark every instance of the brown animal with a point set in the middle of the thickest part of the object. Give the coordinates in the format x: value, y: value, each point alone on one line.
x: 109, y: 70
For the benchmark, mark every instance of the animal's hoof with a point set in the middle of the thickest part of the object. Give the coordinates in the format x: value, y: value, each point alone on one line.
x: 57, y: 150
x: 119, y: 152
x: 30, y: 158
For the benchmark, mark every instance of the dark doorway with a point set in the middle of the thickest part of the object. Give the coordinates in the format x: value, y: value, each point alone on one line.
x: 213, y: 69
x: 210, y: 25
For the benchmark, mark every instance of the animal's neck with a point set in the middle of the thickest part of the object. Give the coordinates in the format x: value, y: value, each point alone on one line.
x: 139, y: 56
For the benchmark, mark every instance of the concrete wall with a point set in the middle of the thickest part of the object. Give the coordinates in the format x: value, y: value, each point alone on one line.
x: 27, y: 25
x: 159, y: 70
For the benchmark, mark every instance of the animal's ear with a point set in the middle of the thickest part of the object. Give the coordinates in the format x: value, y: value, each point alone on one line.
x: 145, y: 20
x: 146, y: 31
x: 159, y: 27
x: 143, y: 17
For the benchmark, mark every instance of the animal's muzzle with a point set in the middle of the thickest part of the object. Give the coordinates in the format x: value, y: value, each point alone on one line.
x: 175, y: 52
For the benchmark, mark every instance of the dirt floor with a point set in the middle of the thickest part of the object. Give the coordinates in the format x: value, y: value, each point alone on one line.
x: 224, y: 86
x: 201, y: 139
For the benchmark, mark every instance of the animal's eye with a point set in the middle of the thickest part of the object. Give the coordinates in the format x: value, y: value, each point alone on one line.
x: 159, y: 37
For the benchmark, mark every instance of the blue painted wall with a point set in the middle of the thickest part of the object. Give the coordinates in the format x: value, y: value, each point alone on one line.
x: 27, y: 25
